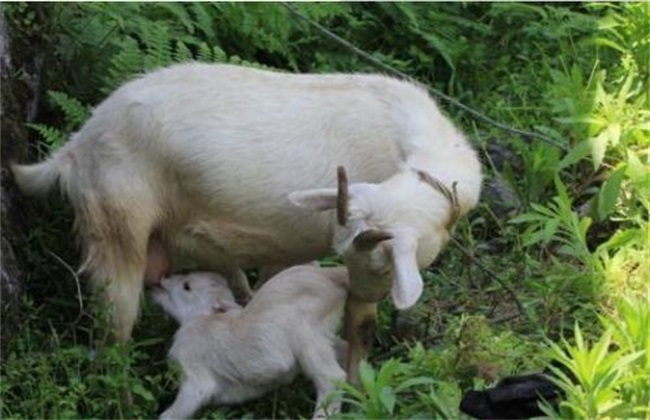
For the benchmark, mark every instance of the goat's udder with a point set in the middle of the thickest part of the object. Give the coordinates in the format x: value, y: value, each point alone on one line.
x: 158, y: 264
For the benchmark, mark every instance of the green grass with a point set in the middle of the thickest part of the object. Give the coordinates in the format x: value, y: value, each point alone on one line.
x: 572, y: 242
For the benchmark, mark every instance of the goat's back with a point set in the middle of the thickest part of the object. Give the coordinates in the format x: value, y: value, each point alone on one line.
x: 212, y: 151
x: 311, y: 291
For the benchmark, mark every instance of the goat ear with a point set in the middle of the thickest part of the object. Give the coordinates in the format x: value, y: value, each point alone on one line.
x: 222, y: 305
x: 369, y: 239
x: 319, y: 199
x: 407, y: 284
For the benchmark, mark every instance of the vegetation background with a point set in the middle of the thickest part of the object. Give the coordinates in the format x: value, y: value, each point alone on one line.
x: 554, y: 263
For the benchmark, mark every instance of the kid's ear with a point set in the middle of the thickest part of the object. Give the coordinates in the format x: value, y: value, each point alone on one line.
x: 222, y: 306
x: 319, y: 199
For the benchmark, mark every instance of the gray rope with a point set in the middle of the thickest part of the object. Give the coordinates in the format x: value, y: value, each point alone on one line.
x: 435, y: 92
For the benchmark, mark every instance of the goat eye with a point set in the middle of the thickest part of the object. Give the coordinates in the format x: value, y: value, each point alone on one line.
x: 186, y: 286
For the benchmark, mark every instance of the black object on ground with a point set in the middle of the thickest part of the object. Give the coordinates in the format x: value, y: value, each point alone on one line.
x: 514, y: 397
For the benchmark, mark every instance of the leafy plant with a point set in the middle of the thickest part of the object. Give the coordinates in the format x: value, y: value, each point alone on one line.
x: 609, y: 378
x: 557, y: 223
x: 74, y: 114
x: 377, y: 397
x: 75, y: 381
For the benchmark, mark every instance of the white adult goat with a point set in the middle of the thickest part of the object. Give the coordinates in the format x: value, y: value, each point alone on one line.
x: 198, y: 160
x: 231, y: 354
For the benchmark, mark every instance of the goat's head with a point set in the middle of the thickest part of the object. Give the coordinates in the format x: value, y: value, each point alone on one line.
x: 185, y: 297
x: 386, y: 231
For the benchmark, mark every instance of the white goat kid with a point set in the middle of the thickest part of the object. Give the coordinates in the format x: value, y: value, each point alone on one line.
x: 230, y: 354
x: 197, y: 161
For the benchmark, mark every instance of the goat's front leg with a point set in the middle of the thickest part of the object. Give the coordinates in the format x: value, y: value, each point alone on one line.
x: 317, y: 357
x: 360, y: 327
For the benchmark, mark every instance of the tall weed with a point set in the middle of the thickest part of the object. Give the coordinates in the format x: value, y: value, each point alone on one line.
x: 608, y: 378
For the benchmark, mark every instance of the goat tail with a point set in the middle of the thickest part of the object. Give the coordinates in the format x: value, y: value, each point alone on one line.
x: 39, y: 178
x: 36, y: 179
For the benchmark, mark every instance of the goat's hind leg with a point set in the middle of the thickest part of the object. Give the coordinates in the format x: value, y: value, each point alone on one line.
x: 121, y: 288
x: 115, y: 246
x: 194, y: 394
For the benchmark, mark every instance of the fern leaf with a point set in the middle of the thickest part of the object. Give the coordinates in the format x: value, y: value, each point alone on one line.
x: 124, y: 64
x: 219, y: 55
x: 205, y: 53
x: 74, y: 111
x: 180, y: 14
x: 182, y: 52
x: 203, y: 20
x: 54, y: 138
x: 158, y: 47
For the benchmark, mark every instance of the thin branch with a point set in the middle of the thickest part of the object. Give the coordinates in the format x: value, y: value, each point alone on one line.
x: 496, y: 277
x: 435, y: 92
x: 76, y: 279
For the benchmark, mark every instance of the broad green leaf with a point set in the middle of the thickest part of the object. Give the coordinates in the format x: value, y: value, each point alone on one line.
x: 613, y: 133
x: 576, y: 154
x: 635, y: 169
x: 608, y: 43
x: 138, y: 389
x: 386, y: 372
x: 388, y: 399
x: 421, y: 380
x: 621, y: 238
x: 598, y: 148
x: 367, y: 375
x: 526, y: 217
x: 609, y: 192
x: 584, y: 225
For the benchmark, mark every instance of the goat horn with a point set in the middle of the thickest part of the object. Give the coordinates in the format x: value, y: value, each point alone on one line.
x: 451, y: 195
x: 368, y: 239
x: 342, y: 197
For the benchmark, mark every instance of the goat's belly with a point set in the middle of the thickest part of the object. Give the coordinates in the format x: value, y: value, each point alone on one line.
x: 236, y: 393
x: 220, y: 245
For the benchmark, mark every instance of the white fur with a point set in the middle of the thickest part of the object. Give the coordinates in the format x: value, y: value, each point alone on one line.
x: 205, y: 156
x: 231, y: 354
x: 414, y: 213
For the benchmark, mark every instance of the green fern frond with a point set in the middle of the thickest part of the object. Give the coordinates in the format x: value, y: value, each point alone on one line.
x: 52, y: 137
x: 182, y: 52
x: 219, y: 55
x: 324, y: 12
x: 158, y: 47
x: 204, y: 53
x: 203, y: 20
x: 75, y: 112
x: 127, y: 62
x: 210, y: 54
x: 179, y: 14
